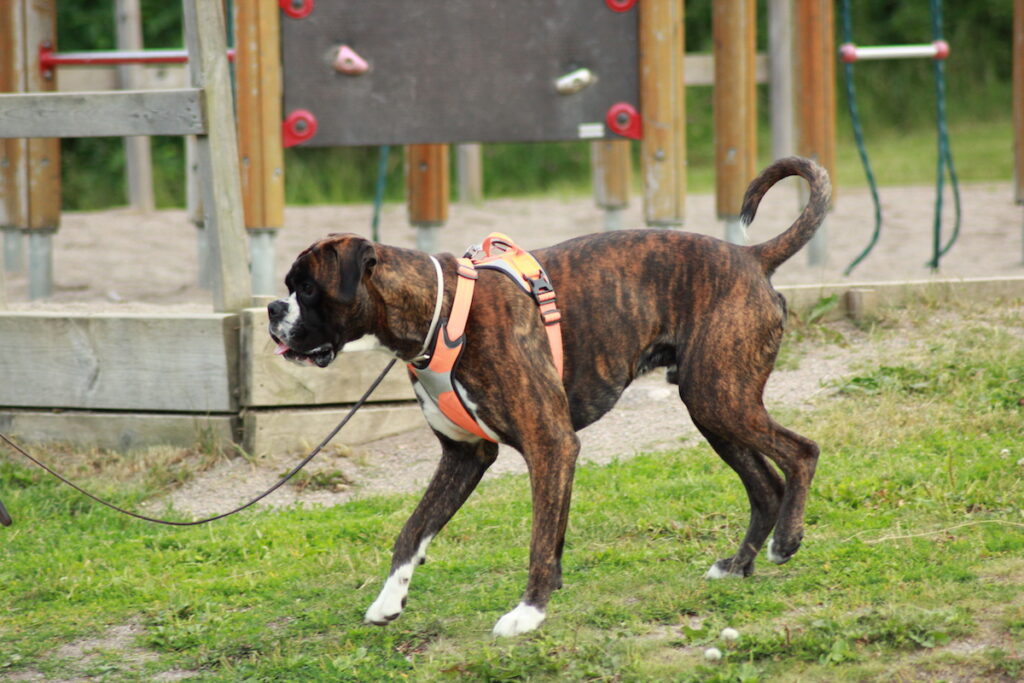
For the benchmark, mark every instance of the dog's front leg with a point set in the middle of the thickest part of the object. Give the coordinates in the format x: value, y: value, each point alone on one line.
x: 552, y: 466
x: 460, y: 470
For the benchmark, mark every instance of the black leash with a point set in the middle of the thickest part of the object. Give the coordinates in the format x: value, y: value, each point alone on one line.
x: 5, y: 518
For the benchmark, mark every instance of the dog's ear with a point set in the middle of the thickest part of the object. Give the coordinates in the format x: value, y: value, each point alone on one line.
x: 356, y: 259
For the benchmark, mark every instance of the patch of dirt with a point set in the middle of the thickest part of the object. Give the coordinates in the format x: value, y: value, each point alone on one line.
x: 117, y: 643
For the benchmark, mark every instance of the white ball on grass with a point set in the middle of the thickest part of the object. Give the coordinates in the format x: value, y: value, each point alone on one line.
x: 712, y: 654
x: 730, y: 634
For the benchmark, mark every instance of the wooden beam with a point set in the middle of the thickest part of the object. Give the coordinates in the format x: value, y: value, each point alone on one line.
x: 13, y: 152
x: 470, y: 171
x: 427, y: 180
x: 43, y: 153
x: 137, y: 154
x: 113, y: 114
x: 611, y: 168
x: 121, y: 432
x: 815, y: 81
x: 258, y: 75
x: 217, y: 154
x: 663, y: 109
x: 734, y: 102
x: 184, y: 363
x: 1018, y: 99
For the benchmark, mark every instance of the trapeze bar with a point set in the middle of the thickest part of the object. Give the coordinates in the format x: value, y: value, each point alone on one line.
x: 849, y: 52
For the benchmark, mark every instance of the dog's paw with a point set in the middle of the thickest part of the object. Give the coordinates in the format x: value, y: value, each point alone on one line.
x: 780, y: 554
x: 523, y: 619
x: 389, y: 604
x: 723, y: 569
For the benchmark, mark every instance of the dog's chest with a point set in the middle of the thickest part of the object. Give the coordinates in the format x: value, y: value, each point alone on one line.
x: 440, y: 422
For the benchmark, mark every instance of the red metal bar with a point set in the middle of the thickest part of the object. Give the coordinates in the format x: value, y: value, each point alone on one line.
x: 49, y: 58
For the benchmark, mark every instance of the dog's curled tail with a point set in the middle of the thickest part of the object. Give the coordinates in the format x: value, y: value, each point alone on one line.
x: 775, y: 252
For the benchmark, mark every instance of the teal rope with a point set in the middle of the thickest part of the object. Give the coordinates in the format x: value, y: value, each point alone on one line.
x: 945, y: 156
x: 858, y: 134
x: 378, y: 194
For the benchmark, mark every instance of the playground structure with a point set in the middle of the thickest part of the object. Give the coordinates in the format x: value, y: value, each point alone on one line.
x: 151, y: 377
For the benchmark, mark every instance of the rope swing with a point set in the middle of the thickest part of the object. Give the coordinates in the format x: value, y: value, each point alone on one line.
x: 938, y: 51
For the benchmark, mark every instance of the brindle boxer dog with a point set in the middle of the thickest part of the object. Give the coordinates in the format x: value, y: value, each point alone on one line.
x: 631, y: 301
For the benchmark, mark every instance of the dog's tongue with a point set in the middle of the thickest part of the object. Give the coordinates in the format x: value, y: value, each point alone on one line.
x: 281, y: 349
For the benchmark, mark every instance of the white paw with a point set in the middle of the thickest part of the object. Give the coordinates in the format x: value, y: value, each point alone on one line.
x: 523, y: 619
x: 388, y: 605
x: 774, y: 556
x: 717, y: 572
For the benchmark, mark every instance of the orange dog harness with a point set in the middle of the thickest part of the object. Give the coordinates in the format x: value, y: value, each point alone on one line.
x: 497, y: 252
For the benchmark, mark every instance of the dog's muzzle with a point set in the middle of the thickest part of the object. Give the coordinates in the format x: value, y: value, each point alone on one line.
x: 282, y: 324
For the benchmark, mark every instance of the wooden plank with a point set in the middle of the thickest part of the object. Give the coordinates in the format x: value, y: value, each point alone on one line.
x: 427, y: 184
x: 44, y: 201
x: 734, y: 102
x: 815, y: 67
x: 1018, y: 99
x: 269, y: 380
x: 470, y: 171
x: 780, y: 47
x: 137, y: 362
x: 137, y: 154
x: 70, y: 115
x: 217, y: 154
x: 258, y: 74
x: 120, y: 431
x: 663, y: 108
x: 801, y: 299
x: 13, y: 153
x: 611, y: 165
x: 267, y: 431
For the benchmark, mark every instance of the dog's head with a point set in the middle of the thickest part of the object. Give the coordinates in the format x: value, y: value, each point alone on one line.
x: 327, y: 304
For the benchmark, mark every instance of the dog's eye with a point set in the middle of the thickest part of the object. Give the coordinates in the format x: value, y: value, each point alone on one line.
x: 307, y: 288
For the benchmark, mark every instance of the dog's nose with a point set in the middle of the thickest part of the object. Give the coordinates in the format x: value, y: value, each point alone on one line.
x: 277, y: 309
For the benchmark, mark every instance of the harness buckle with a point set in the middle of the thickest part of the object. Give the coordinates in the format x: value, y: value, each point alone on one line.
x: 541, y: 288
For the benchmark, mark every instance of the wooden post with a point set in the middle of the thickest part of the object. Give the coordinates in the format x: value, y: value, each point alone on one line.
x: 137, y: 154
x: 470, y: 171
x: 663, y: 108
x: 735, y: 108
x: 217, y: 153
x: 13, y: 152
x: 43, y: 160
x: 426, y: 172
x: 780, y: 64
x: 258, y: 74
x: 611, y: 170
x: 1018, y: 104
x: 816, y: 98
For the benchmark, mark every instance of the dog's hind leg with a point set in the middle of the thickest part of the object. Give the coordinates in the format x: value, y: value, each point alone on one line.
x: 725, y: 399
x: 764, y: 491
x: 460, y: 470
x: 552, y: 464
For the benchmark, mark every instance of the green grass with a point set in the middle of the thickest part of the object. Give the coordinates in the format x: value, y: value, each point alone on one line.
x: 912, y: 566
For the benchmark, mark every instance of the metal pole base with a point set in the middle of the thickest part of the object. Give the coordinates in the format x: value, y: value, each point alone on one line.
x: 735, y: 231
x: 40, y: 264
x: 613, y: 218
x: 817, y: 248
x: 14, y: 250
x: 205, y: 278
x: 426, y: 238
x: 263, y: 248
